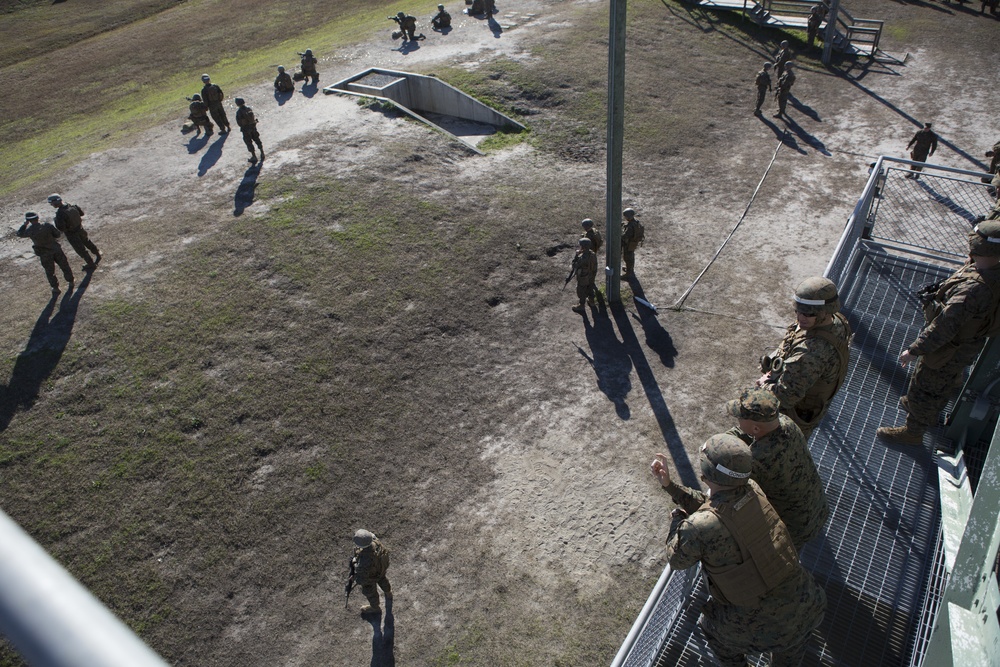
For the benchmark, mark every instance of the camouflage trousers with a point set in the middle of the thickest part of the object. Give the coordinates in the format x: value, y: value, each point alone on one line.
x: 49, y: 261
x: 251, y: 137
x: 371, y: 592
x: 81, y: 244
x: 782, y: 101
x: 782, y: 624
x: 585, y: 291
x: 919, y: 154
x: 219, y: 115
x: 931, y: 388
x: 628, y: 259
x: 761, y: 95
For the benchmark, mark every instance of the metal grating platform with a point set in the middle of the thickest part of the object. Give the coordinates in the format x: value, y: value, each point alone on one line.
x: 879, y: 559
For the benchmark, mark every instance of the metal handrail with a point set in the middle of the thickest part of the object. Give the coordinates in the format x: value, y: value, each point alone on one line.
x: 640, y: 621
x: 51, y: 619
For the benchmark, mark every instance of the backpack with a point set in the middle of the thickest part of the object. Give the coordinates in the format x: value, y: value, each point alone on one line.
x: 640, y: 233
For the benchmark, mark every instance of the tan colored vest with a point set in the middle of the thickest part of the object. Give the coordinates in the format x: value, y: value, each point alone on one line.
x: 818, y: 397
x: 769, y: 557
x: 974, y: 328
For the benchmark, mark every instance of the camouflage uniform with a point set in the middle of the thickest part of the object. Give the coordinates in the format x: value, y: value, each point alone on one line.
x: 247, y: 123
x: 586, y: 273
x: 213, y: 96
x: 924, y: 143
x: 815, y: 364
x: 371, y: 560
x: 782, y: 466
x: 69, y: 221
x: 308, y: 66
x: 783, y: 55
x: 442, y: 19
x: 283, y: 82
x: 198, y: 114
x: 950, y: 341
x: 816, y: 16
x: 763, y: 83
x: 407, y: 25
x: 43, y: 241
x: 630, y: 232
x: 785, y: 83
x: 791, y: 605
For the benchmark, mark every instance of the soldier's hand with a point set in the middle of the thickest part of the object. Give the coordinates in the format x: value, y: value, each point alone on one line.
x: 660, y: 470
x: 905, y: 358
x: 762, y: 380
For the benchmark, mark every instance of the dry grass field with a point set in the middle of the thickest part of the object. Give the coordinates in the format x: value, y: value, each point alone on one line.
x: 368, y: 330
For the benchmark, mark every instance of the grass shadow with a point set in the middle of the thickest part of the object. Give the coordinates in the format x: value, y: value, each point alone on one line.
x: 42, y: 352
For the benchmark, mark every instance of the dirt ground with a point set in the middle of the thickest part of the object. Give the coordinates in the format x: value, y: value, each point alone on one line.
x: 533, y: 532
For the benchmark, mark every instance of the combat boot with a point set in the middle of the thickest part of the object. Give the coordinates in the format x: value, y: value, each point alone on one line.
x: 370, y: 610
x: 579, y: 309
x: 904, y: 435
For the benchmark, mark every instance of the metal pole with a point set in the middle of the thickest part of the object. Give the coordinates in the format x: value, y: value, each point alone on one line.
x: 616, y: 129
x: 831, y: 30
x: 51, y: 619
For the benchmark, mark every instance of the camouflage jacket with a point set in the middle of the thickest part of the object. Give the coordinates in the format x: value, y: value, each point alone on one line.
x: 925, y: 139
x: 245, y: 118
x: 283, y: 82
x: 69, y: 218
x: 308, y: 64
x: 782, y: 619
x: 963, y: 306
x: 212, y: 94
x: 629, y: 231
x: 197, y: 109
x: 370, y: 563
x: 813, y: 369
x: 596, y: 240
x: 43, y: 237
x: 586, y: 267
x: 782, y: 57
x: 786, y: 81
x: 763, y: 80
x: 785, y: 471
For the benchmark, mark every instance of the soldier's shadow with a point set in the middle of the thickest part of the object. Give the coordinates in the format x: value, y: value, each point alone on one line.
x: 41, y: 354
x: 610, y: 362
x: 212, y: 155
x: 310, y: 89
x: 197, y: 142
x: 657, y: 338
x: 383, y: 638
x: 245, y: 192
x: 282, y: 97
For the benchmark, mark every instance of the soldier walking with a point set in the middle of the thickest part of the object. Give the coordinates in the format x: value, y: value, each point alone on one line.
x: 43, y: 241
x: 763, y: 83
x: 960, y: 313
x: 198, y: 114
x: 785, y: 83
x: 585, y: 265
x: 213, y: 96
x: 633, y: 234
x: 762, y: 599
x: 782, y: 465
x: 814, y: 355
x: 69, y: 221
x: 369, y: 564
x: 924, y: 143
x: 247, y: 123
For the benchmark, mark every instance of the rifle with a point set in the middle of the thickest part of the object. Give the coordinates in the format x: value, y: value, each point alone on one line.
x: 572, y: 271
x: 349, y: 586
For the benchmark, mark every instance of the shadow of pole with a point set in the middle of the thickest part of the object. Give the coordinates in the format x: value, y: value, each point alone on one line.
x: 41, y: 353
x: 675, y: 446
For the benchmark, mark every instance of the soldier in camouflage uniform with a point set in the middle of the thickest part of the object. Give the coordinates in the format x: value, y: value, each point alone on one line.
x: 782, y: 465
x: 43, y: 241
x: 995, y: 212
x: 784, y: 89
x: 198, y: 115
x: 924, y: 143
x: 814, y: 355
x: 585, y: 264
x: 816, y: 16
x: 69, y: 221
x: 782, y: 56
x: 630, y: 241
x: 960, y: 313
x: 371, y: 560
x: 763, y: 83
x: 596, y: 240
x: 247, y: 122
x: 283, y: 82
x: 761, y: 599
x: 213, y: 96
x: 307, y: 66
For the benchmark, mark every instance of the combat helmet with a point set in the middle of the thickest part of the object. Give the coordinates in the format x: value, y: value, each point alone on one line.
x: 363, y: 538
x: 629, y: 212
x: 587, y: 223
x: 53, y: 198
x: 400, y: 14
x: 281, y: 68
x: 196, y: 98
x: 984, y: 239
x: 308, y: 52
x: 768, y: 65
x: 30, y: 215
x: 585, y: 242
x: 239, y: 101
x: 205, y: 77
x: 726, y: 460
x: 441, y: 7
x: 817, y: 296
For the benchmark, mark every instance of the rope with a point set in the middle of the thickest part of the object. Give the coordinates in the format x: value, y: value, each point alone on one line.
x: 687, y: 292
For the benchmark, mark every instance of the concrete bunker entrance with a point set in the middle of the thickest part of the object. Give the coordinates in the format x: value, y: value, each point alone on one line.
x: 430, y: 101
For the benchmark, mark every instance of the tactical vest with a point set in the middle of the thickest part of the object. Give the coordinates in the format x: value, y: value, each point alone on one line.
x: 975, y: 328
x: 810, y: 410
x: 769, y: 557
x: 72, y: 218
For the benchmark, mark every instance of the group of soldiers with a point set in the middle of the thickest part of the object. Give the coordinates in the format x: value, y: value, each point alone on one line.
x: 210, y: 102
x: 765, y: 498
x: 45, y: 237
x: 783, y: 68
x: 584, y: 266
